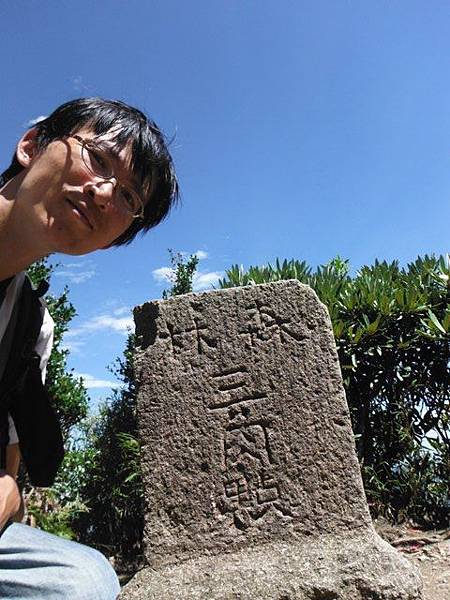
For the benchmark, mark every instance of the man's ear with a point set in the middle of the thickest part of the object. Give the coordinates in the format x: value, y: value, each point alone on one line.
x: 27, y: 147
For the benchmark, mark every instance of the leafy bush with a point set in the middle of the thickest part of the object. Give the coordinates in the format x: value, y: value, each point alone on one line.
x: 111, y: 488
x: 183, y: 271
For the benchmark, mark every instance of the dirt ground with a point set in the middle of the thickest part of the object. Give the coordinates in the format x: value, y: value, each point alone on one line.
x: 428, y: 550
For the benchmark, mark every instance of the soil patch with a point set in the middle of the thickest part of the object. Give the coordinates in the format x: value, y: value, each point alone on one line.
x: 428, y: 550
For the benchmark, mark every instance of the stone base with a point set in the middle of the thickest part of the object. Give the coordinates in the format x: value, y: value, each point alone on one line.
x: 324, y: 568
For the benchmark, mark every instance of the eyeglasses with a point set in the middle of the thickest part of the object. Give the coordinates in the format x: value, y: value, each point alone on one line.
x: 98, y: 161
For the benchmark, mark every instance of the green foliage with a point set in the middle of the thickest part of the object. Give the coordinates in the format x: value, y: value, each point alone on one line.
x: 183, y: 272
x: 392, y: 331
x: 111, y: 486
x: 45, y: 511
x: 293, y: 269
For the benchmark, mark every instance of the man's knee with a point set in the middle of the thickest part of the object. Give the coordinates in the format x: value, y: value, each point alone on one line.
x: 92, y: 577
x: 35, y: 564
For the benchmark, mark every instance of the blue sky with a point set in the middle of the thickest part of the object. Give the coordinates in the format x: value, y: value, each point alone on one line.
x: 302, y: 130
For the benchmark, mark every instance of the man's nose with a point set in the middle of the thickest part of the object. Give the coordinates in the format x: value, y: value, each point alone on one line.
x: 102, y: 191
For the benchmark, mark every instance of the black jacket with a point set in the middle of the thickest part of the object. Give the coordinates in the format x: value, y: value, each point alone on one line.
x: 25, y: 398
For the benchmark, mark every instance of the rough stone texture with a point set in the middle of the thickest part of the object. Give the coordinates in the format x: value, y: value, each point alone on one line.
x: 325, y: 568
x: 252, y: 485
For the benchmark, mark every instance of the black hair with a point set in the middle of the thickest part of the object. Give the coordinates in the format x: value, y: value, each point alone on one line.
x: 151, y: 162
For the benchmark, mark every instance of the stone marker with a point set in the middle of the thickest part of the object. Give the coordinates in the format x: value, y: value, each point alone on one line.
x: 252, y: 484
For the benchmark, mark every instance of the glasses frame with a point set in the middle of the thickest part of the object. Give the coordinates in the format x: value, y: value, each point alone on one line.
x: 86, y: 142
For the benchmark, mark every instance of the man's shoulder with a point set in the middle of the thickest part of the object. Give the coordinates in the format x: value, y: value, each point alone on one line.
x: 31, y: 312
x: 12, y: 286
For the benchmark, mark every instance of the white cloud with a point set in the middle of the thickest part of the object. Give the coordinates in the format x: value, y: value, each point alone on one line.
x: 78, y: 84
x: 75, y: 265
x: 72, y: 277
x: 33, y: 122
x: 163, y: 274
x: 77, y: 272
x: 92, y: 382
x: 117, y: 324
x: 203, y: 281
x: 123, y: 310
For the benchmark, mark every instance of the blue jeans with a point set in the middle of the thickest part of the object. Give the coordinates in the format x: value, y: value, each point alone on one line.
x: 40, y: 566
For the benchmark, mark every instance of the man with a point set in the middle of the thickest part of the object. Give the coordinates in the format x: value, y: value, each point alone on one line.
x: 92, y: 175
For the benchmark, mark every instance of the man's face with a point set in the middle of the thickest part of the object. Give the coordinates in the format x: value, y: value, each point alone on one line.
x: 77, y: 209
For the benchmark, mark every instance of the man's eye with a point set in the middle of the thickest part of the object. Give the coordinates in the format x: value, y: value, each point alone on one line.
x: 98, y: 161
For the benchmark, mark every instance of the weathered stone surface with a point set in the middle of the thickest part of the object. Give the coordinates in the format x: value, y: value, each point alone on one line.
x: 319, y: 568
x: 252, y: 484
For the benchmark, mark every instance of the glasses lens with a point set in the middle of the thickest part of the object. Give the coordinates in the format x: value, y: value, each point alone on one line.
x: 97, y: 160
x: 99, y: 163
x: 129, y: 200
